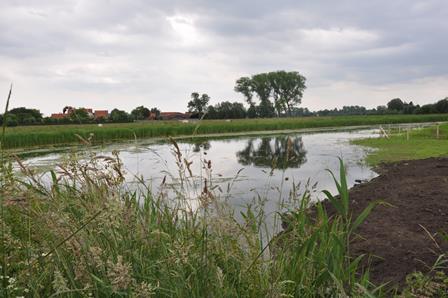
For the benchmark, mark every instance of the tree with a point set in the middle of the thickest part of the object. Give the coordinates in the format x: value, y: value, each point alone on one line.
x: 265, y: 109
x: 10, y: 120
x: 244, y: 86
x: 140, y: 113
x: 441, y: 106
x: 287, y: 88
x: 426, y: 109
x: 198, y: 104
x: 252, y: 111
x: 395, y: 104
x: 280, y: 90
x: 409, y: 108
x: 117, y: 115
x: 156, y: 113
x: 26, y: 116
x: 80, y: 115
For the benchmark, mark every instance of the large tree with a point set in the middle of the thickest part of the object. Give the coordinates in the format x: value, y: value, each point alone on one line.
x: 279, y: 89
x: 117, y: 115
x: 140, y: 113
x: 198, y: 104
x: 287, y: 89
x: 244, y: 86
x: 441, y: 106
x: 26, y: 116
x: 395, y: 104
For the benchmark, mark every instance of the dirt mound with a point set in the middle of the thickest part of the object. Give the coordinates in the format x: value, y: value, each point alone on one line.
x: 394, y: 235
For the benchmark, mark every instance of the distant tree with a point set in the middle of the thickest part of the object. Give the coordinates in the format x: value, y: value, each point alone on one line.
x: 244, y: 86
x: 212, y: 113
x: 409, y: 108
x: 10, y: 119
x: 426, y: 109
x: 265, y: 109
x: 156, y: 113
x: 198, y: 104
x: 381, y: 110
x: 80, y: 115
x: 140, y: 113
x: 117, y: 115
x: 301, y: 112
x: 25, y: 116
x: 252, y: 111
x: 395, y: 104
x: 441, y: 106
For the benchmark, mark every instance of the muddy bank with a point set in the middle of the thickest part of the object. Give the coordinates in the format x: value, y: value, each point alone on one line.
x: 416, y: 193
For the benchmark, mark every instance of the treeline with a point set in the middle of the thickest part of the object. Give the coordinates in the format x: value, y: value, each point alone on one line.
x: 26, y: 116
x: 236, y: 110
x: 394, y: 106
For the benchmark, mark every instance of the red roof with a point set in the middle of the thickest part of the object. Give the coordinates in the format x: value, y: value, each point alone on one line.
x: 101, y: 114
x: 58, y: 115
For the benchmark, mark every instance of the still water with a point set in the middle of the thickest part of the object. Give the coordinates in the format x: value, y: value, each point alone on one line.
x: 242, y: 169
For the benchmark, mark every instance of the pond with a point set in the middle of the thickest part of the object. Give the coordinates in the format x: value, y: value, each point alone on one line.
x: 243, y: 169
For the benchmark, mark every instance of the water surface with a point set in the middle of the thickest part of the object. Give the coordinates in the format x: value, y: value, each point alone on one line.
x: 243, y: 169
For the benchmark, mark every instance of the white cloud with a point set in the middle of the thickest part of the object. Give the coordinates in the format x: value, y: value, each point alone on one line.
x: 335, y: 39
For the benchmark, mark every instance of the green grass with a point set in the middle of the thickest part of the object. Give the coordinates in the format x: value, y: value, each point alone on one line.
x: 422, y: 143
x: 20, y: 137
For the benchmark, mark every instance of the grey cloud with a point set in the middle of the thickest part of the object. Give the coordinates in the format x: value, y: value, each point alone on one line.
x: 131, y: 53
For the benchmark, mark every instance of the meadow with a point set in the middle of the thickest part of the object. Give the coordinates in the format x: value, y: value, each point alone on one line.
x: 29, y: 136
x: 417, y: 144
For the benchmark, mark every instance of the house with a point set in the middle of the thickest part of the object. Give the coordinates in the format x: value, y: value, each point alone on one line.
x: 58, y: 115
x: 100, y: 114
x: 97, y: 114
x: 174, y: 115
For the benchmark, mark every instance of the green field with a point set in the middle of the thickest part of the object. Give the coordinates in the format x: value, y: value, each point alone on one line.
x: 29, y: 136
x: 422, y: 143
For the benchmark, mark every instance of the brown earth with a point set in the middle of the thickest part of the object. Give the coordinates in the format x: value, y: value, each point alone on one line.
x: 396, y: 235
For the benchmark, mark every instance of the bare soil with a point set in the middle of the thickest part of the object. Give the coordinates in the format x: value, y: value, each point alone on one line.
x: 401, y: 236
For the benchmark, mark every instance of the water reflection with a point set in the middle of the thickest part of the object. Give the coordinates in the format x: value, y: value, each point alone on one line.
x: 205, y: 145
x: 269, y: 152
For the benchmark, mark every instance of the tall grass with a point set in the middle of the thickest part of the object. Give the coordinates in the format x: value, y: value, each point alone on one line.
x: 19, y: 137
x: 2, y: 184
x: 81, y: 233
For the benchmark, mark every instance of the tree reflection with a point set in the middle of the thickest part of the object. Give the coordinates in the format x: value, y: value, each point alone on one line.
x: 201, y: 144
x: 274, y: 152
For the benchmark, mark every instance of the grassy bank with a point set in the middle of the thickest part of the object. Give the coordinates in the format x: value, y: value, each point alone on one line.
x: 422, y: 143
x: 20, y: 137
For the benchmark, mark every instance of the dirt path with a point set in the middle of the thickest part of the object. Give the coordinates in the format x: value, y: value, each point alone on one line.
x: 418, y: 193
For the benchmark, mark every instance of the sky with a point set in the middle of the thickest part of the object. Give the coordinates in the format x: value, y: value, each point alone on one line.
x: 109, y: 54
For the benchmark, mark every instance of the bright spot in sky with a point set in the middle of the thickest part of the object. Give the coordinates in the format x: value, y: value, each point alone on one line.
x: 184, y: 27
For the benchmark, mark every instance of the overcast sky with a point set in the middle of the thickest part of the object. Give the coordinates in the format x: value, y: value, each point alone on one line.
x: 106, y: 54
